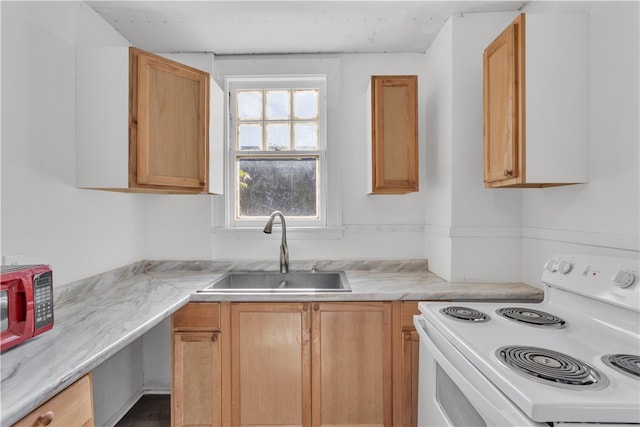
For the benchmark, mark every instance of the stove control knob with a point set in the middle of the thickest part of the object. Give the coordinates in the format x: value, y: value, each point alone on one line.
x: 551, y: 265
x: 564, y: 267
x: 623, y: 278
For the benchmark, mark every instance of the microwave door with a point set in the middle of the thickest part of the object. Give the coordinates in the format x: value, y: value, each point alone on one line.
x: 4, y: 309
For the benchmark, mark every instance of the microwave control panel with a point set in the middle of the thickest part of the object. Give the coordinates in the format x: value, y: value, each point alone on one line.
x: 43, y: 299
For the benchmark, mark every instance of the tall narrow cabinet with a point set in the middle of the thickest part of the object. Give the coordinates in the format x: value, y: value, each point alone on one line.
x: 393, y: 134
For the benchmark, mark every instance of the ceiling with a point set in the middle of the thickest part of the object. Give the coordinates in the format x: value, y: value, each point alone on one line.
x: 267, y: 26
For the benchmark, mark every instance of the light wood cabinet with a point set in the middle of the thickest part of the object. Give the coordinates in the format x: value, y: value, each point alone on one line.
x: 271, y: 369
x: 406, y: 345
x: 351, y: 359
x: 71, y: 407
x: 143, y: 122
x: 536, y: 103
x: 286, y: 364
x: 169, y: 123
x: 393, y: 133
x: 196, y: 397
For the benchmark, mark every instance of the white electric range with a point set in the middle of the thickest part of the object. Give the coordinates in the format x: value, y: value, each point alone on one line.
x: 573, y: 358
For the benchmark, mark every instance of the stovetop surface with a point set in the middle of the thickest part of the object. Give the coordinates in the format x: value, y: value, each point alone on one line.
x: 593, y: 327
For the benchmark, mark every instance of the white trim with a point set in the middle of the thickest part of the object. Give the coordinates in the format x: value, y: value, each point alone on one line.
x: 471, y: 232
x: 293, y: 233
x: 587, y: 238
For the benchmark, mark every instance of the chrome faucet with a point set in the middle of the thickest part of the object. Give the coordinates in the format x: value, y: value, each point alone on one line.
x: 284, y: 250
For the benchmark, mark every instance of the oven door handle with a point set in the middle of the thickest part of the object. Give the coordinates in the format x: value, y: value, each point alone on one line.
x: 499, y: 410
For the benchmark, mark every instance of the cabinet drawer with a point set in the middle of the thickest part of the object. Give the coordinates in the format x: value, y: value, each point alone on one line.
x: 197, y: 317
x: 409, y: 309
x: 71, y: 407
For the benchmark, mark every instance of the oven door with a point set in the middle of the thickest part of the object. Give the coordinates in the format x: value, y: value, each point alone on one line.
x: 452, y: 392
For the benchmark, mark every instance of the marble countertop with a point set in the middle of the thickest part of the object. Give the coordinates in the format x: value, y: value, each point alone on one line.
x: 97, y: 317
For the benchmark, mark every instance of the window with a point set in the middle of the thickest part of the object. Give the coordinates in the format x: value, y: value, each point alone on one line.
x: 277, y: 150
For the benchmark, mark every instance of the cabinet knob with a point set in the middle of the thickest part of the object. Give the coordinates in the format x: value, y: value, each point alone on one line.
x: 508, y: 172
x: 214, y: 337
x: 316, y: 307
x: 305, y: 307
x: 45, y: 420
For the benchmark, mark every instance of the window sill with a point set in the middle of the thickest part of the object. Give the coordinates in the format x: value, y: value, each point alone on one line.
x: 293, y: 233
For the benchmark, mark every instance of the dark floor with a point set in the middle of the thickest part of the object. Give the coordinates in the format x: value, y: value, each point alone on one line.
x: 152, y: 410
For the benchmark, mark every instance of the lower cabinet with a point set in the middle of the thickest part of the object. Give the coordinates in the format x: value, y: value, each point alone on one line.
x: 197, y: 383
x: 71, y: 407
x: 351, y: 364
x: 197, y: 341
x: 292, y: 364
x: 271, y: 364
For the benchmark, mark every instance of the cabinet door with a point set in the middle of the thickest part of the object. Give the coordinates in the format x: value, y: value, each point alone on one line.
x: 351, y: 360
x: 197, y: 381
x: 169, y: 123
x: 410, y: 348
x: 504, y: 107
x: 394, y: 145
x: 270, y: 352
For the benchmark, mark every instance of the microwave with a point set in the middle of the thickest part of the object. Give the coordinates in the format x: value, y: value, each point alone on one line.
x: 26, y: 303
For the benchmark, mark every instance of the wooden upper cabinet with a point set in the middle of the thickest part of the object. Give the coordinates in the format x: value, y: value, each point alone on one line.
x: 536, y: 103
x: 143, y: 122
x: 169, y: 110
x: 393, y: 124
x: 503, y: 104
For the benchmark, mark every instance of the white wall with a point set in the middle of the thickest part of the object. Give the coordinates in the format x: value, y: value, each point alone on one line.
x: 438, y: 185
x: 507, y: 234
x: 44, y: 217
x: 602, y: 216
x: 387, y: 226
x: 470, y: 231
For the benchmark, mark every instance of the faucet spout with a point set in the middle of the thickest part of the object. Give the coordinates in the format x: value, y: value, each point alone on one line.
x: 284, y: 249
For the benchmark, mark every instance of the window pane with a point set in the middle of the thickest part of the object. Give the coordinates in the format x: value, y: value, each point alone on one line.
x: 306, y: 136
x: 249, y: 105
x: 278, y: 136
x: 305, y: 104
x: 278, y: 105
x: 250, y: 136
x: 288, y: 185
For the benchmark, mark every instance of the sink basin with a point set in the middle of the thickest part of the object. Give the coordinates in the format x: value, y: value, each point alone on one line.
x: 292, y: 282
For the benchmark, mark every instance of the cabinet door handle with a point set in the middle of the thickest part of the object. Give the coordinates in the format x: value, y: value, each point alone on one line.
x: 45, y: 420
x: 316, y: 307
x: 508, y: 172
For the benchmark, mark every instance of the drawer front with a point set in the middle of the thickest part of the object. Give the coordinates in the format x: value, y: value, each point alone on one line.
x: 71, y: 407
x: 197, y: 316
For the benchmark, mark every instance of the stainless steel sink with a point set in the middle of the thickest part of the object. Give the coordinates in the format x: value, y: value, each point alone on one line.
x: 276, y: 282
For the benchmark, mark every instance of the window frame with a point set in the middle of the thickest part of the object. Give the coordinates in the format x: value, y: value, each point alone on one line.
x: 271, y: 82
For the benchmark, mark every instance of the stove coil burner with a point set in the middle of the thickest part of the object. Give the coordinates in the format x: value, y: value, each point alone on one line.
x: 628, y: 364
x: 531, y: 317
x: 550, y: 367
x: 465, y: 313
